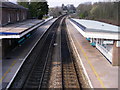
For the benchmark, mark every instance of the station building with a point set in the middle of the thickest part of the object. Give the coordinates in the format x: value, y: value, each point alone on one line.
x: 15, y: 27
x: 105, y: 37
x: 12, y: 13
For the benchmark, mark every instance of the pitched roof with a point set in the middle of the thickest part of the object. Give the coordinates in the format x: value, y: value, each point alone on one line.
x: 11, y: 5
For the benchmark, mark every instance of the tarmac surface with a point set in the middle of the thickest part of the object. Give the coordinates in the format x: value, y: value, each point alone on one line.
x: 13, y: 60
x: 100, y: 72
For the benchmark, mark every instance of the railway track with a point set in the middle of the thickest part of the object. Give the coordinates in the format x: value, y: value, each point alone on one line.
x: 69, y: 69
x: 32, y: 71
x: 51, y: 63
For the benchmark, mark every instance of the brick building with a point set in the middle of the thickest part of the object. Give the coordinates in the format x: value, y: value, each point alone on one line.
x: 11, y: 13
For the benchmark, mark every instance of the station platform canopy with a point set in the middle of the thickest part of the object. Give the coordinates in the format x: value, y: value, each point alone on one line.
x: 96, y: 29
x: 19, y: 29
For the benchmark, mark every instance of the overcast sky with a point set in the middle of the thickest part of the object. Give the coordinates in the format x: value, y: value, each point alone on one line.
x: 54, y: 3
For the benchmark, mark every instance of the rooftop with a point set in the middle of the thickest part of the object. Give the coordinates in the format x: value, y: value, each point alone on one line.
x: 7, y: 4
x: 97, y: 26
x: 96, y: 29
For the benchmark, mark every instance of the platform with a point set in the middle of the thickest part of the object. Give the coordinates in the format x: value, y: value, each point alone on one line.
x: 13, y: 60
x: 21, y: 28
x: 101, y: 35
x: 100, y: 72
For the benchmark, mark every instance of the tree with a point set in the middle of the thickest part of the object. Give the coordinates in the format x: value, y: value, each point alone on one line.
x: 104, y: 11
x: 83, y: 10
x: 71, y: 8
x: 33, y: 9
x: 36, y: 9
x: 95, y: 11
x: 42, y: 9
x: 24, y: 3
x: 55, y: 12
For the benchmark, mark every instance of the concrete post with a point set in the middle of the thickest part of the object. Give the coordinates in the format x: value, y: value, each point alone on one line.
x: 91, y: 40
x: 100, y: 42
x: 116, y: 55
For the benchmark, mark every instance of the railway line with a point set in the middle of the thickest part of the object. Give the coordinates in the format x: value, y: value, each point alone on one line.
x: 69, y: 72
x: 51, y: 64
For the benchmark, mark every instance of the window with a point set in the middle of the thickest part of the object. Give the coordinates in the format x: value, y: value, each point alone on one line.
x: 17, y: 16
x: 23, y: 16
x: 9, y: 19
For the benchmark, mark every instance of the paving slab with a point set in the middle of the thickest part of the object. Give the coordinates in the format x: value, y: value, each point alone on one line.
x: 21, y: 26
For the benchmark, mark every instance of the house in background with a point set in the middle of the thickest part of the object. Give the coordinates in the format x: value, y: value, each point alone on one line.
x: 11, y: 13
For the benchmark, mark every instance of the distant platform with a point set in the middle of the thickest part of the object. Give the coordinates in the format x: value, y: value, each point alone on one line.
x: 20, y: 29
x: 99, y: 71
x: 96, y: 29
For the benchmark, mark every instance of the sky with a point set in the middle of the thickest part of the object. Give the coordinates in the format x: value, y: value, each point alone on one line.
x: 54, y: 3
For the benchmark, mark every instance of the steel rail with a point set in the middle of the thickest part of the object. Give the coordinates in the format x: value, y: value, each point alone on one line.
x: 12, y: 80
x: 51, y: 43
x: 69, y: 65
